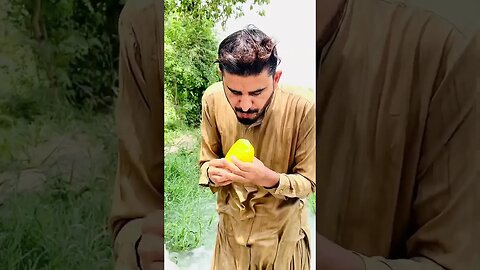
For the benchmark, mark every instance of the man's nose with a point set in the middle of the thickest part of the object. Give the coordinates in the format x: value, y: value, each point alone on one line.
x: 246, y: 103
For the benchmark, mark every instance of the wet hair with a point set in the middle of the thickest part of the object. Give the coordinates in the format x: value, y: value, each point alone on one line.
x: 248, y: 52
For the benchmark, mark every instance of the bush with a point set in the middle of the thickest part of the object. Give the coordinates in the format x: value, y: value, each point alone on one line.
x: 190, y: 53
x: 75, y: 45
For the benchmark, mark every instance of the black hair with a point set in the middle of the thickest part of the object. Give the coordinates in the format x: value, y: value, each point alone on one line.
x: 248, y: 52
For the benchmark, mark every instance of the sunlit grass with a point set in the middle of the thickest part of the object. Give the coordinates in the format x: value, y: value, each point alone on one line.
x: 189, y: 208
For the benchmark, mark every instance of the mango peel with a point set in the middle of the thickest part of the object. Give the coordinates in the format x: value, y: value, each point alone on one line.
x: 243, y: 150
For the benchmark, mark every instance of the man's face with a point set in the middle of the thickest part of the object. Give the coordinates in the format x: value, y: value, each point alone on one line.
x: 250, y: 95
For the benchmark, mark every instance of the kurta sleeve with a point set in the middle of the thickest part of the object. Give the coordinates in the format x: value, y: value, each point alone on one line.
x: 138, y: 187
x: 445, y: 211
x: 301, y: 181
x: 210, y: 146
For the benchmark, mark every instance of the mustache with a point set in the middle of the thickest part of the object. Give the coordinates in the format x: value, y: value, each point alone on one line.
x: 249, y: 111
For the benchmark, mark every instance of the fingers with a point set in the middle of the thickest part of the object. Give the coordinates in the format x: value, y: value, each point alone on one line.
x: 218, y: 176
x: 242, y: 166
x: 216, y: 171
x: 150, y: 248
x: 218, y: 163
x: 236, y: 178
x: 223, y: 173
x: 150, y: 251
x: 234, y: 169
x: 220, y: 180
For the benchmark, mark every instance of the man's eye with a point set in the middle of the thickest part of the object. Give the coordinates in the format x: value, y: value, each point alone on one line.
x: 256, y: 93
x: 236, y: 93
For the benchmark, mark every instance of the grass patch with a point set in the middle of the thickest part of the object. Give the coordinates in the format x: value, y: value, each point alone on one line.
x: 171, y: 137
x: 63, y: 225
x: 189, y: 209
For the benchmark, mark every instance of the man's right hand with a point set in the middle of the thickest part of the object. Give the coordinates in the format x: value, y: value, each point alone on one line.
x: 150, y: 247
x: 218, y: 171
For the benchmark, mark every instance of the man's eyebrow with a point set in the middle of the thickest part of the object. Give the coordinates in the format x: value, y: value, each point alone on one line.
x: 250, y: 92
x: 233, y: 90
x: 258, y: 90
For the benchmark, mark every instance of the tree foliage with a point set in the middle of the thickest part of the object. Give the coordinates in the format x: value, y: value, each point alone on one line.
x: 213, y: 10
x: 189, y: 64
x: 75, y: 48
x: 190, y: 50
x: 76, y: 45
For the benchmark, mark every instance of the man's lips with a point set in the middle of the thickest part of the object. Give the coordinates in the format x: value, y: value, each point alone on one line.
x: 245, y: 115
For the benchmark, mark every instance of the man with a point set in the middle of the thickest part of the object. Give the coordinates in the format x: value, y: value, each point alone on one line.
x: 397, y: 141
x: 261, y: 205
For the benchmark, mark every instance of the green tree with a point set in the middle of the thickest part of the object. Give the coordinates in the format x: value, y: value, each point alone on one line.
x: 191, y: 48
x: 213, y: 10
x: 75, y: 43
x: 76, y: 47
x: 189, y: 64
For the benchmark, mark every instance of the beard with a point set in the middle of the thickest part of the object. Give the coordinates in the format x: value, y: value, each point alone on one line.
x: 248, y: 121
x: 258, y: 113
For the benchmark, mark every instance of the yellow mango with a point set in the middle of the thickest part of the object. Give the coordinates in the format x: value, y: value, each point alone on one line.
x: 243, y: 150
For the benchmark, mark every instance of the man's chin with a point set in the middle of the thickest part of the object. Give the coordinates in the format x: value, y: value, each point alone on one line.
x: 246, y: 121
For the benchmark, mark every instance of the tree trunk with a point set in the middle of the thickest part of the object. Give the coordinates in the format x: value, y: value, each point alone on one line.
x: 36, y: 13
x: 45, y: 54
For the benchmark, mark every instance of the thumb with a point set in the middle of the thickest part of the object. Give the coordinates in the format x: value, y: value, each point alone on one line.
x: 244, y: 166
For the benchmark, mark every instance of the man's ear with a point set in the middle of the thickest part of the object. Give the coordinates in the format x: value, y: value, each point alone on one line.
x: 276, y: 78
x: 219, y: 72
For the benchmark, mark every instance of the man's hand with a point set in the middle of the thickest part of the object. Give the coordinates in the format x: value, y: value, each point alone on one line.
x: 255, y: 173
x: 150, y: 248
x: 218, y: 172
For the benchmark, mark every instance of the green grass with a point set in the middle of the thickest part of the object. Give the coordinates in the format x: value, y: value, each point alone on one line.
x: 62, y: 225
x: 62, y: 228
x: 170, y: 137
x: 189, y: 209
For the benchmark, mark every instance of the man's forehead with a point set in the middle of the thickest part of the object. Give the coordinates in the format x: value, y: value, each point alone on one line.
x: 245, y: 87
x: 252, y: 82
x: 265, y: 74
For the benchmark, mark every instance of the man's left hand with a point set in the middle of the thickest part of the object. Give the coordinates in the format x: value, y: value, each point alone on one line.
x: 255, y: 173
